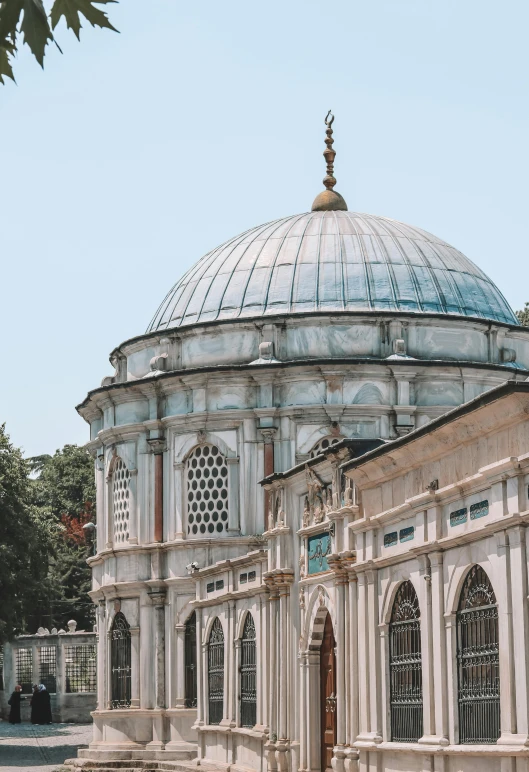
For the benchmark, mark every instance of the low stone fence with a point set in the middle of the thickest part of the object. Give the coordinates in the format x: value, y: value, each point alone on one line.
x: 65, y: 662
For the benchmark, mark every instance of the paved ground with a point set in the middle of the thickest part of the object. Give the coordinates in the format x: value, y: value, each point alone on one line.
x: 24, y: 747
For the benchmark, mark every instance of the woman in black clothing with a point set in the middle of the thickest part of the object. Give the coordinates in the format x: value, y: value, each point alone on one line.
x: 35, y: 705
x: 44, y: 705
x: 14, y: 701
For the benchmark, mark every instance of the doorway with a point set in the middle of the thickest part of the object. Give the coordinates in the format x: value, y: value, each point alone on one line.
x: 327, y: 695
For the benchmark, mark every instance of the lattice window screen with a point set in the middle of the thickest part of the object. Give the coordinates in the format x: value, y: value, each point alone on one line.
x: 80, y: 668
x: 24, y: 669
x: 48, y: 667
x: 120, y: 501
x: 323, y: 444
x: 207, y: 491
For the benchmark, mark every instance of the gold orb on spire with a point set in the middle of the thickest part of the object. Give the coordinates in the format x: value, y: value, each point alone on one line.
x: 329, y: 200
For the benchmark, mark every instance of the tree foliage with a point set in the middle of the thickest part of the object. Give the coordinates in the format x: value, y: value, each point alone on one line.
x: 64, y: 491
x: 44, y: 503
x: 523, y: 316
x: 26, y: 536
x: 32, y: 22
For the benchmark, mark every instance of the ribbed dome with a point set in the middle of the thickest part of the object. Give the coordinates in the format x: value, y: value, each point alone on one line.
x: 331, y: 261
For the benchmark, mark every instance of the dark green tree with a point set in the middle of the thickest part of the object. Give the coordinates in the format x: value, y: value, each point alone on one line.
x: 26, y: 536
x: 64, y: 491
x: 523, y: 316
x: 34, y: 23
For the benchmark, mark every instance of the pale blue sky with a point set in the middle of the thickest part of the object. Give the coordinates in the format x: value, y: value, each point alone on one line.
x: 132, y: 155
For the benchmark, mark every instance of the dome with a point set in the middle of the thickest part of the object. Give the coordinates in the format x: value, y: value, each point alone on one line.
x: 331, y: 261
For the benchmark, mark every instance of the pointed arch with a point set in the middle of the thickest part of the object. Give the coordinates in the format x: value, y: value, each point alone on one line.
x: 248, y: 671
x: 405, y: 666
x: 478, y: 660
x: 216, y: 673
x: 368, y: 394
x: 120, y: 662
x: 206, y: 476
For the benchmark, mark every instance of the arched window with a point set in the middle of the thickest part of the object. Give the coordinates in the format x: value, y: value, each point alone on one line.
x: 207, y: 491
x: 324, y: 443
x: 120, y: 662
x: 120, y: 501
x: 478, y: 661
x: 191, y: 661
x: 216, y: 673
x: 405, y: 666
x: 248, y: 674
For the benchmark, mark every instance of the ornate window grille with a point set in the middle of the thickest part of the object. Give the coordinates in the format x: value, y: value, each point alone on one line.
x: 48, y: 667
x: 191, y: 661
x: 207, y: 491
x: 478, y: 660
x: 216, y: 673
x: 405, y: 665
x: 323, y: 444
x: 120, y: 501
x: 248, y: 674
x: 80, y: 667
x: 120, y: 662
x: 24, y: 669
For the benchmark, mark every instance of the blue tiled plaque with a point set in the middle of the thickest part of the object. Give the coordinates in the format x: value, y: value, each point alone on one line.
x: 319, y: 547
x: 459, y: 516
x: 390, y: 539
x: 407, y: 534
x: 479, y: 510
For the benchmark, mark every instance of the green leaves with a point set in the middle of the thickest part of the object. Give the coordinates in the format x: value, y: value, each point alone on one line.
x: 5, y: 65
x: 71, y: 10
x: 30, y: 18
x: 36, y: 28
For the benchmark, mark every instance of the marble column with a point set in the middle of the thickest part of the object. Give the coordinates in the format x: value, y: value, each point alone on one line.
x: 439, y: 671
x: 520, y: 622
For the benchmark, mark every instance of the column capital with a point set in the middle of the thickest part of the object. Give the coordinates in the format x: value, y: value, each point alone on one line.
x: 157, y: 445
x: 157, y: 598
x: 268, y: 434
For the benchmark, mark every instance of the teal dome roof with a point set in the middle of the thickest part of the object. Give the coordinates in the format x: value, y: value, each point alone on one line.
x: 328, y: 262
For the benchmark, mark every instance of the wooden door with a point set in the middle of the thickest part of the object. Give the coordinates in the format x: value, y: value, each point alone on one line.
x: 327, y: 695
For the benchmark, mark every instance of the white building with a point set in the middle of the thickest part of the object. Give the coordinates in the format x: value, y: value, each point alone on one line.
x: 228, y: 612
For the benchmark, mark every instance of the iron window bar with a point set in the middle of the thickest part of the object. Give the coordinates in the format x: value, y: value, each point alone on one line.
x: 120, y: 666
x: 216, y: 673
x: 248, y: 671
x: 405, y: 665
x: 478, y: 661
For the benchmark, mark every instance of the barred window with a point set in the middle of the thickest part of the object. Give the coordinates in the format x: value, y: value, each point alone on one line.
x: 120, y: 653
x: 207, y: 491
x: 48, y: 667
x: 120, y: 501
x: 190, y: 664
x: 478, y: 660
x: 216, y: 673
x: 24, y: 669
x: 80, y: 666
x: 1, y: 668
x: 248, y: 674
x: 405, y: 666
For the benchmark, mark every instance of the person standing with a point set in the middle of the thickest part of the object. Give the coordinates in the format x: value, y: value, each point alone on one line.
x: 45, y: 706
x: 35, y: 705
x: 14, y: 701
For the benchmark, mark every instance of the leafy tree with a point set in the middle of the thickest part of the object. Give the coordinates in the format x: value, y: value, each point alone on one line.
x: 26, y: 535
x: 31, y: 20
x: 64, y: 491
x: 523, y: 316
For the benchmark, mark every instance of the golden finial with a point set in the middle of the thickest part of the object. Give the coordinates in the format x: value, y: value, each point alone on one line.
x: 329, y: 199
